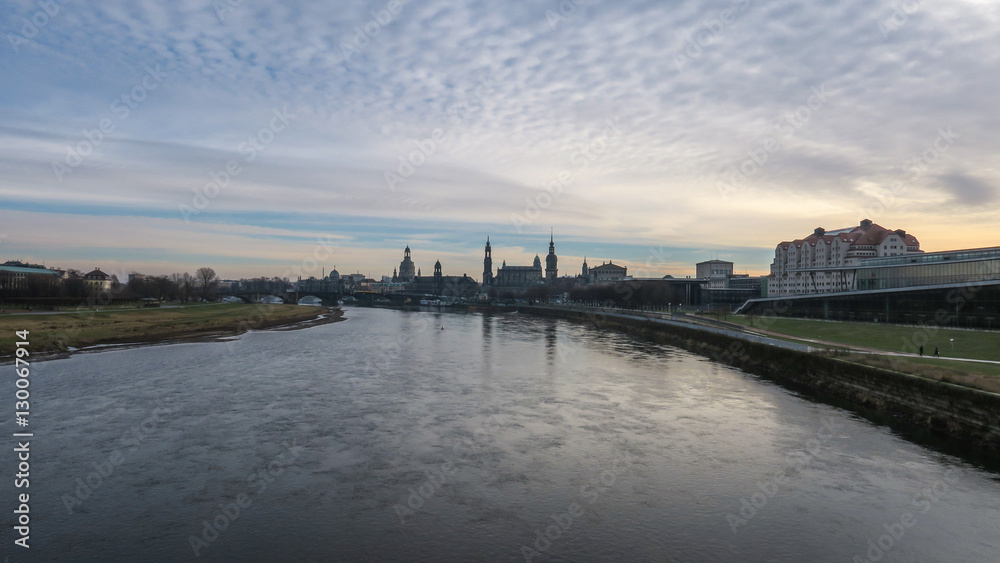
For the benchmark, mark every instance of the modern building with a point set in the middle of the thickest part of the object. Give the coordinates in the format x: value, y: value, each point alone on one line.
x: 713, y: 269
x: 883, y: 276
x: 722, y: 287
x: 826, y: 261
x: 929, y: 269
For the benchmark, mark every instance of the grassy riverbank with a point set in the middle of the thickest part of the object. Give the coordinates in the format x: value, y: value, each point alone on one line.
x: 970, y: 344
x: 954, y: 345
x: 60, y: 331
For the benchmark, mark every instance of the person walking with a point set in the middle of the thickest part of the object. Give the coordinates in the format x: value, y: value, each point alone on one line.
x: 936, y: 353
x: 921, y: 349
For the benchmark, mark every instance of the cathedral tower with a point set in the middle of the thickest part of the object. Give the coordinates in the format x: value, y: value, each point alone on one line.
x: 488, y: 264
x: 551, y: 272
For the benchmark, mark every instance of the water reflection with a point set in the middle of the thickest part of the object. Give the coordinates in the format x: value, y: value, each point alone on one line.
x: 656, y: 446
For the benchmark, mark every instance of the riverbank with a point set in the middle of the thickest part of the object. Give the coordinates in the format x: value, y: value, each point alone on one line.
x: 59, y: 333
x: 935, y: 406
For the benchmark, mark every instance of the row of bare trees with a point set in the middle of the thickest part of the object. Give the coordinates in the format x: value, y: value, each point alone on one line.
x: 174, y: 287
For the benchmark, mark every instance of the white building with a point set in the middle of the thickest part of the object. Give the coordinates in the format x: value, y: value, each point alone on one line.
x: 826, y: 261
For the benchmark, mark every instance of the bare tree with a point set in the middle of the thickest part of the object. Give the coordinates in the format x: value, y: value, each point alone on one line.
x: 207, y: 280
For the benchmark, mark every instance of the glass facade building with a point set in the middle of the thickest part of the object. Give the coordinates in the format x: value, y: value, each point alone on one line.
x: 958, y: 288
x: 937, y: 268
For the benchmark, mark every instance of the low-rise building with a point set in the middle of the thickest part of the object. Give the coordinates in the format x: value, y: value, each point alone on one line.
x: 97, y: 280
x: 16, y: 276
x: 607, y: 272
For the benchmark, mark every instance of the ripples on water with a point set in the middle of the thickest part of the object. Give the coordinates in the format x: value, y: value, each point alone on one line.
x: 525, y: 420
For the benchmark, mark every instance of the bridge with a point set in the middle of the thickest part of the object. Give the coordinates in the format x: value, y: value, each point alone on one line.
x: 328, y: 298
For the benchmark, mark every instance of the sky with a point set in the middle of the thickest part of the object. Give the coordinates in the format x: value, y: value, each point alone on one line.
x: 289, y: 138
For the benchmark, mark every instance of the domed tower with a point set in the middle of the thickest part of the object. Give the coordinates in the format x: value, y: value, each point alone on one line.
x: 537, y: 264
x: 488, y: 264
x: 586, y: 270
x: 406, y: 269
x: 551, y: 272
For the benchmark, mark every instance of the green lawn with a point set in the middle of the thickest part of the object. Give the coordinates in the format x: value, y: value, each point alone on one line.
x: 980, y: 345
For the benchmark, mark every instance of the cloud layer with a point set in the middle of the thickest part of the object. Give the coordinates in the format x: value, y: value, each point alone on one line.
x: 236, y: 133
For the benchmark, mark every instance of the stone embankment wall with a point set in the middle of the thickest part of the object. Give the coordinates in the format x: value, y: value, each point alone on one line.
x: 970, y: 415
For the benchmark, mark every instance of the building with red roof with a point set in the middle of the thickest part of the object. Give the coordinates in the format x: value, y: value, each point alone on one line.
x: 826, y: 261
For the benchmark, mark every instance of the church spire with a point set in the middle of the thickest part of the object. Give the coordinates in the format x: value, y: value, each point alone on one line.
x: 488, y: 263
x: 551, y: 261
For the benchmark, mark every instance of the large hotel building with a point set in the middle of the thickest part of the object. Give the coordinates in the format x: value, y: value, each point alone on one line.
x: 828, y: 261
x: 868, y: 272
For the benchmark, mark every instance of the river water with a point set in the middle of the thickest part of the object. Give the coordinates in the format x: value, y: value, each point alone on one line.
x: 423, y: 436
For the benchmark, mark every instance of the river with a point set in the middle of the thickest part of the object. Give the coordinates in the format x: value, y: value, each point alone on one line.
x: 424, y: 436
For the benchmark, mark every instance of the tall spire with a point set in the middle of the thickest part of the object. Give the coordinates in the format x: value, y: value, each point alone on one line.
x: 551, y: 271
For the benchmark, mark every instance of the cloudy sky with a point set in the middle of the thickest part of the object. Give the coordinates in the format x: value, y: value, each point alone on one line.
x: 164, y: 136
